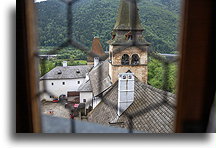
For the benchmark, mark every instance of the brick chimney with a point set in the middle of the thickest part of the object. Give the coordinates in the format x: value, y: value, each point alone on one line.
x: 64, y: 63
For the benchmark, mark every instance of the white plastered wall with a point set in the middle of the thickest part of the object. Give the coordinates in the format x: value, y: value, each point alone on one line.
x: 58, y: 88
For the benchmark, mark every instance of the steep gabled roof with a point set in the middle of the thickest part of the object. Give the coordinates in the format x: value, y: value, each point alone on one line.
x: 68, y: 72
x: 96, y: 49
x: 99, y: 78
x: 152, y: 111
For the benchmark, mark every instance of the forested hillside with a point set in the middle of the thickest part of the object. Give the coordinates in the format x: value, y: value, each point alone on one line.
x: 97, y: 17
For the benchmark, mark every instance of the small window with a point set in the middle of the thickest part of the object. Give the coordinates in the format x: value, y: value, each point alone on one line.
x: 77, y: 71
x: 63, y: 83
x: 78, y: 82
x: 59, y: 72
x: 113, y: 35
x: 84, y: 100
x: 129, y: 36
x: 135, y: 59
x: 52, y: 83
x: 125, y: 59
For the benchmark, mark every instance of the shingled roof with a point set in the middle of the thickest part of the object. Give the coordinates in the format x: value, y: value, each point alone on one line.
x: 96, y: 49
x: 68, y: 72
x: 128, y: 22
x: 153, y: 110
x: 125, y: 20
x: 99, y: 78
x: 85, y: 87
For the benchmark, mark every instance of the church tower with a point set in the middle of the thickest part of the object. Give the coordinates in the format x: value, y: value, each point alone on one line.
x: 128, y: 48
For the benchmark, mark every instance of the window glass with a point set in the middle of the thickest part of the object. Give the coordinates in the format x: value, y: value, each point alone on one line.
x: 125, y: 59
x: 135, y: 59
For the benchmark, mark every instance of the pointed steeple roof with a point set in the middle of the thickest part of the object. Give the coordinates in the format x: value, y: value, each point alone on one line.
x: 96, y: 49
x: 128, y: 17
x: 128, y: 28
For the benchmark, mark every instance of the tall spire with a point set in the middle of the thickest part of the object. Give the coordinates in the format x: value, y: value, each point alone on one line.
x: 128, y: 17
x: 128, y: 28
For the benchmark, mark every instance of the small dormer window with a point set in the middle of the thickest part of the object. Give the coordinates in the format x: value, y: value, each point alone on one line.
x: 59, y: 72
x: 113, y: 35
x: 129, y: 36
x: 77, y: 71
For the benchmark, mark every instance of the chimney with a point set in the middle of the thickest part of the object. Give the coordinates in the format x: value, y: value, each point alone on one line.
x: 64, y: 63
x: 96, y: 61
x: 125, y: 91
x: 87, y: 77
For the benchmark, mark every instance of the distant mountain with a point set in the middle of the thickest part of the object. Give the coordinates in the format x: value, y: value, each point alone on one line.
x: 97, y: 17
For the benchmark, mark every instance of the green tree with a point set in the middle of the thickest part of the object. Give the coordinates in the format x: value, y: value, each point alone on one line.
x: 160, y: 76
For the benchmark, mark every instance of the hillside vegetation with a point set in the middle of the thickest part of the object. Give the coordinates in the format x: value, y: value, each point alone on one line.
x: 97, y: 18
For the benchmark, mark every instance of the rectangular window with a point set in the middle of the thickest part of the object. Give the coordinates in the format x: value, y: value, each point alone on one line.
x: 63, y: 83
x: 78, y: 82
x: 84, y: 100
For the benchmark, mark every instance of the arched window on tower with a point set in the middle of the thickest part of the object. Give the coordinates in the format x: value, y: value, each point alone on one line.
x: 125, y: 59
x: 135, y: 59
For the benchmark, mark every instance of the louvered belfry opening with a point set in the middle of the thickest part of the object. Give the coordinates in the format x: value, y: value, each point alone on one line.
x: 127, y: 35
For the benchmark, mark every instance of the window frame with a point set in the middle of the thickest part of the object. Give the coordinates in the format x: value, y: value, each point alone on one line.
x: 133, y: 59
x: 199, y: 88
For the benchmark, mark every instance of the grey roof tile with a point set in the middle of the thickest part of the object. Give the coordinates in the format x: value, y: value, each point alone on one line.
x: 149, y: 112
x: 99, y: 78
x: 85, y: 87
x: 68, y: 72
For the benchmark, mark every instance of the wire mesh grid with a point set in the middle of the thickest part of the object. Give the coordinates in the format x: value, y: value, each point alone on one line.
x: 71, y: 42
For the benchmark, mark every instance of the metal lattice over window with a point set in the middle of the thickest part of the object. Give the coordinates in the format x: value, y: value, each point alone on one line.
x: 121, y: 100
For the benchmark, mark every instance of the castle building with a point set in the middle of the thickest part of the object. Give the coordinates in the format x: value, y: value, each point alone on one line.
x: 116, y: 89
x: 128, y: 48
x: 120, y: 82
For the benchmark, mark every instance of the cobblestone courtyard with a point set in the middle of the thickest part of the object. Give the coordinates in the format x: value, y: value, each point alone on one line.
x: 54, y: 109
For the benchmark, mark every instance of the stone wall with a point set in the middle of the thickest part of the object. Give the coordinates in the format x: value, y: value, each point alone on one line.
x: 115, y: 67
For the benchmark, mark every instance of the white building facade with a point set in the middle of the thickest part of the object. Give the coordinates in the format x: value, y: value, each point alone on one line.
x: 62, y: 80
x: 55, y: 88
